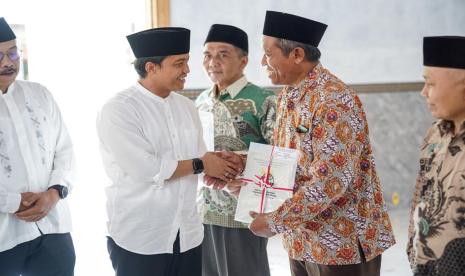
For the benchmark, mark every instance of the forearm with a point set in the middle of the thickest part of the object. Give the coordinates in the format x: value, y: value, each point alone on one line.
x: 184, y: 168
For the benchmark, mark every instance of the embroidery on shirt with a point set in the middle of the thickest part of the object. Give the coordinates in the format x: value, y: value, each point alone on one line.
x: 4, y: 159
x: 38, y: 131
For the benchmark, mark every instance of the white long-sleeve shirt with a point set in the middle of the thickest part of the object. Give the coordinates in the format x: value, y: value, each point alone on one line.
x: 35, y: 153
x: 142, y: 138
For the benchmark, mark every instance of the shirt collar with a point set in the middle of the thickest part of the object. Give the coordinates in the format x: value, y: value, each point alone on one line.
x: 233, y: 89
x: 447, y: 127
x: 140, y: 88
x: 11, y: 88
x: 309, y: 82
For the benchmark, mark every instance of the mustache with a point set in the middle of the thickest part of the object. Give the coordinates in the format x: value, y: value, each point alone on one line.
x: 7, y: 71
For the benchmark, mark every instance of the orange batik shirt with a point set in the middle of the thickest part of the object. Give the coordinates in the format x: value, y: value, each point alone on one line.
x: 337, y: 202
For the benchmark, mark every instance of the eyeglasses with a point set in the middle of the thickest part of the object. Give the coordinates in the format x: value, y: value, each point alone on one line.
x: 12, y: 55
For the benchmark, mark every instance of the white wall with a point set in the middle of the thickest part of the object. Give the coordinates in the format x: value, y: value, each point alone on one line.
x: 367, y: 41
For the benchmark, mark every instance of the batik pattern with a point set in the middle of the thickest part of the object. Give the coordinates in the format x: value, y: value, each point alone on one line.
x: 337, y: 202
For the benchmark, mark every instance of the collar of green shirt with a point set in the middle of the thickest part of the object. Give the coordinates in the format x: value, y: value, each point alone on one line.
x: 233, y: 89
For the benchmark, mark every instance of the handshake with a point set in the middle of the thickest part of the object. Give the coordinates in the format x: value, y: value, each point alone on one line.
x: 221, y: 169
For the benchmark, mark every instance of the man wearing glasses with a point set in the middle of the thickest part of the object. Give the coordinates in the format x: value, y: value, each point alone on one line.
x: 36, y: 161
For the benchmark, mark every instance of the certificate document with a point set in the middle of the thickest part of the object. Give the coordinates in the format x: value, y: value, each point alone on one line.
x: 270, y: 176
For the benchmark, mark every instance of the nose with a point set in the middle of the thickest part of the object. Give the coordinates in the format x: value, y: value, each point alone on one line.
x: 187, y: 69
x: 424, y: 91
x: 264, y: 60
x: 214, y: 61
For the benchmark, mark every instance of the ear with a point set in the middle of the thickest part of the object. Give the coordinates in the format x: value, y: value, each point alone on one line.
x: 462, y: 82
x: 152, y: 68
x: 244, y: 61
x: 298, y: 54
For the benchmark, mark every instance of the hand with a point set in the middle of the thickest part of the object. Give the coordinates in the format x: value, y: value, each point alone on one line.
x: 218, y: 167
x: 232, y: 157
x: 259, y: 225
x: 216, y: 183
x: 44, y: 203
x: 234, y: 187
x: 27, y: 201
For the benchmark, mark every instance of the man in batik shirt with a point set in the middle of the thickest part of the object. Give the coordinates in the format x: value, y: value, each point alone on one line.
x: 243, y: 113
x: 436, y: 244
x: 336, y: 222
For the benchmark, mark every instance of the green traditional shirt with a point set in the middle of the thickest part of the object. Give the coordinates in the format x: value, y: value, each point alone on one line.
x: 243, y: 113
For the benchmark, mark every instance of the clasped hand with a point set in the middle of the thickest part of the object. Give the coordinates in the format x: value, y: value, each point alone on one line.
x: 35, y: 206
x: 224, y: 169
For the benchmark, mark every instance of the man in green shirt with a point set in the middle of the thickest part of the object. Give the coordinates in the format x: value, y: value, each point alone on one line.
x: 243, y: 113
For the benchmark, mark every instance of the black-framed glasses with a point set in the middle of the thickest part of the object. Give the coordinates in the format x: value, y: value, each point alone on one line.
x: 12, y: 55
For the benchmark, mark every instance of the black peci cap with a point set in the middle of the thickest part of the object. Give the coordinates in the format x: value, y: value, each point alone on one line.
x: 228, y: 34
x: 160, y: 42
x: 292, y: 27
x: 6, y: 33
x: 444, y: 51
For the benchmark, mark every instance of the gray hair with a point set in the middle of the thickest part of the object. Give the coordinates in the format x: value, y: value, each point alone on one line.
x: 139, y: 64
x: 241, y: 52
x: 312, y: 53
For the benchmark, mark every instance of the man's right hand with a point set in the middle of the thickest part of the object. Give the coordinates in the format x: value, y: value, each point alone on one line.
x: 27, y: 201
x: 220, y: 168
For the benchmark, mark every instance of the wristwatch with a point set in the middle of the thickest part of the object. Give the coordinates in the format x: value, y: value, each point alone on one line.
x: 197, y: 165
x: 62, y: 190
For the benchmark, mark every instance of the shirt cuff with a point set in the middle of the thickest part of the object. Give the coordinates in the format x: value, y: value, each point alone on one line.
x: 275, y: 227
x: 62, y: 178
x: 12, y: 202
x: 167, y: 169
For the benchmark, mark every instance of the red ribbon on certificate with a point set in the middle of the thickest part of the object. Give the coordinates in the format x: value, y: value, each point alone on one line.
x: 264, y: 182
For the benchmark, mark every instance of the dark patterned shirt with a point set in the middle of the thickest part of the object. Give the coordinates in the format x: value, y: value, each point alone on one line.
x: 436, y: 244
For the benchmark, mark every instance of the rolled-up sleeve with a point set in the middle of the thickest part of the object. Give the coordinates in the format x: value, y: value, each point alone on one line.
x: 123, y: 142
x: 63, y: 170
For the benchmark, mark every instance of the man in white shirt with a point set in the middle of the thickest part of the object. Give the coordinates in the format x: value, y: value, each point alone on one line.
x: 36, y: 161
x: 152, y: 149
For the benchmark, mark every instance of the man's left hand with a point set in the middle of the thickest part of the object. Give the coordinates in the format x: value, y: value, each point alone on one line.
x: 46, y: 201
x: 259, y: 225
x: 215, y: 183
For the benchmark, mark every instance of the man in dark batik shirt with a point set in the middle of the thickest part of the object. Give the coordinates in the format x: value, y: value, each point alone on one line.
x: 436, y: 244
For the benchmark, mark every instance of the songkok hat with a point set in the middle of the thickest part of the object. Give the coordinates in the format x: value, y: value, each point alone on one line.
x: 6, y: 33
x: 160, y: 42
x: 292, y: 27
x: 228, y: 34
x: 444, y: 51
